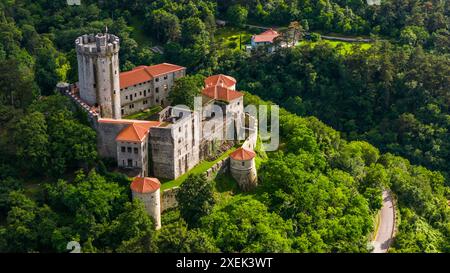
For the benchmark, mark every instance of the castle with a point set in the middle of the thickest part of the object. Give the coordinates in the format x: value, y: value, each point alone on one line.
x: 176, y: 139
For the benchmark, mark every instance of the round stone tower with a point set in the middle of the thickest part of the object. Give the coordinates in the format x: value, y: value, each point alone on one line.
x: 243, y: 168
x: 98, y: 72
x: 147, y: 190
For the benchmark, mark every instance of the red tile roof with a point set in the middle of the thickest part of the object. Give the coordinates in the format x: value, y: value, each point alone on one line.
x: 144, y: 73
x: 266, y: 36
x: 221, y: 93
x: 220, y: 79
x: 136, y: 132
x: 145, y: 184
x: 242, y: 154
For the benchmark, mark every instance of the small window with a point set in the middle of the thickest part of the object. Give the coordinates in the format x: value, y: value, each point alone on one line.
x: 157, y: 100
x: 135, y: 95
x: 243, y: 163
x: 126, y: 97
x: 179, y: 129
x: 157, y: 90
x: 135, y: 150
x: 129, y: 149
x: 145, y: 92
x: 140, y: 93
x: 165, y: 77
x: 157, y: 80
x: 123, y: 149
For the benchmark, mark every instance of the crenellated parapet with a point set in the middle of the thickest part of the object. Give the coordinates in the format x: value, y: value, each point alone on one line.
x: 101, y: 43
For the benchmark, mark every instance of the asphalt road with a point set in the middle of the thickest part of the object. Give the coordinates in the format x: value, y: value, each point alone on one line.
x: 386, y: 226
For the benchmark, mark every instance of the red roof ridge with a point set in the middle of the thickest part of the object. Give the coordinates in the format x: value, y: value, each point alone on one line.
x: 221, y: 93
x: 136, y: 132
x: 144, y: 73
x: 145, y: 184
x: 220, y: 78
x: 266, y: 36
x: 243, y: 154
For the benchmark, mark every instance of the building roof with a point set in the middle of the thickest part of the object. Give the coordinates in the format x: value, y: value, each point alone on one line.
x: 243, y: 154
x: 266, y: 36
x: 136, y: 132
x: 221, y: 93
x: 220, y: 79
x: 144, y: 73
x: 145, y: 184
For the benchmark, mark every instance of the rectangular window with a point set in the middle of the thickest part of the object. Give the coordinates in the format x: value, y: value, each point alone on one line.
x: 157, y: 80
x: 243, y: 163
x: 123, y: 149
x: 135, y: 150
x: 145, y: 92
x: 129, y: 149
x: 126, y: 97
x: 165, y: 77
x: 157, y: 90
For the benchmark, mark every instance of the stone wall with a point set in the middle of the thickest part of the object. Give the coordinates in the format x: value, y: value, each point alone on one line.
x: 106, y: 138
x: 218, y: 168
x: 169, y: 199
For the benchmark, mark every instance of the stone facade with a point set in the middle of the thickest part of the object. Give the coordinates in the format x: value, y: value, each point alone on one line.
x: 152, y: 203
x: 175, y: 144
x: 152, y: 92
x: 244, y: 172
x: 169, y: 199
x: 98, y: 72
x: 133, y: 155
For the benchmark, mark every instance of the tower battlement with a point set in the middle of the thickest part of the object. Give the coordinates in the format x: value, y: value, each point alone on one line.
x: 101, y: 43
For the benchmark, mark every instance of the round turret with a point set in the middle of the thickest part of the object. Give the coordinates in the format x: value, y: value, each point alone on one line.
x: 98, y: 72
x: 147, y: 190
x: 243, y: 168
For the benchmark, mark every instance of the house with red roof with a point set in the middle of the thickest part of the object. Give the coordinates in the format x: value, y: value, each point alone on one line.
x: 265, y: 39
x: 147, y: 86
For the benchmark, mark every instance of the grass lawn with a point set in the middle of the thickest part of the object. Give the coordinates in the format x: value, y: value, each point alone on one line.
x: 200, y: 168
x: 144, y: 115
x: 228, y: 37
x: 344, y: 47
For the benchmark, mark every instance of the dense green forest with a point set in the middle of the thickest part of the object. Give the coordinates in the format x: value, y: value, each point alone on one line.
x: 319, y: 192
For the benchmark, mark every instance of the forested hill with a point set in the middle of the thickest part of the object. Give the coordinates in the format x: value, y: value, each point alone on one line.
x: 319, y: 193
x: 397, y: 98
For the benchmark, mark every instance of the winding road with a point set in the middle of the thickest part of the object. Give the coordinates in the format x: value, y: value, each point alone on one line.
x: 386, y: 227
